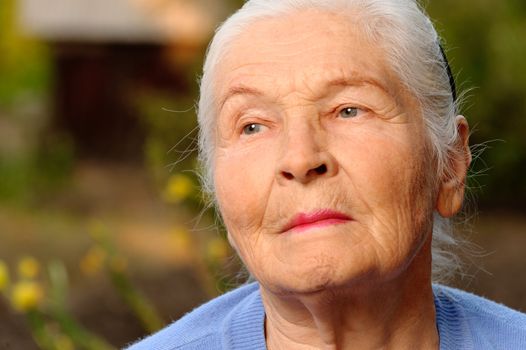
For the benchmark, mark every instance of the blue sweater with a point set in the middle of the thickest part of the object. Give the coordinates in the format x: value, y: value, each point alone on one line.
x: 235, y: 320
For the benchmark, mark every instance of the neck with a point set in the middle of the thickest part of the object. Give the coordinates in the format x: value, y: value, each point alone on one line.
x: 398, y: 314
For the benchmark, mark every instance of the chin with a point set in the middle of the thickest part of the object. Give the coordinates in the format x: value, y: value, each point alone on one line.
x: 310, y: 279
x: 336, y: 272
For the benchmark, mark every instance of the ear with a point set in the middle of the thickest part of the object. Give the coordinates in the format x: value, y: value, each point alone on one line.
x: 452, y: 185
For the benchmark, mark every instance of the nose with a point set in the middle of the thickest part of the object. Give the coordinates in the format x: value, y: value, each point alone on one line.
x: 305, y: 157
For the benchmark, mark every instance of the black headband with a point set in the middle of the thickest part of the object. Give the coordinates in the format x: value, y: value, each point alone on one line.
x: 449, y: 74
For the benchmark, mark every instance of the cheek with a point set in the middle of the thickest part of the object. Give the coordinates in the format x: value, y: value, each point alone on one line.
x: 243, y: 180
x: 387, y: 175
x: 376, y: 162
x: 391, y: 194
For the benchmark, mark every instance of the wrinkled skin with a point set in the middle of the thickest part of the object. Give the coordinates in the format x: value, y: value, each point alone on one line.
x: 292, y: 81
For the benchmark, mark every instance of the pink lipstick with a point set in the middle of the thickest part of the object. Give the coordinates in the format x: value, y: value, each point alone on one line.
x: 305, y: 221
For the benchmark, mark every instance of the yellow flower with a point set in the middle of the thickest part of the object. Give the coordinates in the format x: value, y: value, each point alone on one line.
x: 63, y: 342
x: 217, y: 249
x: 93, y: 261
x: 179, y: 188
x: 26, y: 295
x: 28, y: 267
x: 4, y: 276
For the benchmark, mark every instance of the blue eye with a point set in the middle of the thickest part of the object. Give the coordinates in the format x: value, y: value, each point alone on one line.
x: 251, y: 129
x: 349, y: 112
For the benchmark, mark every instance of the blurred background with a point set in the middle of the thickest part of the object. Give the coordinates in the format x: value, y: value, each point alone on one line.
x: 103, y: 233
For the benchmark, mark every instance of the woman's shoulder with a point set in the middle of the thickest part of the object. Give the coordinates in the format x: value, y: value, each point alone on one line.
x: 477, y: 322
x: 210, y: 325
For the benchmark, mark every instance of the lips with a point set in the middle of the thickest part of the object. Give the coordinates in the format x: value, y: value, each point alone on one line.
x: 306, y: 221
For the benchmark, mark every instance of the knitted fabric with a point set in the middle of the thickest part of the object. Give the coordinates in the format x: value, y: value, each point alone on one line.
x: 236, y: 320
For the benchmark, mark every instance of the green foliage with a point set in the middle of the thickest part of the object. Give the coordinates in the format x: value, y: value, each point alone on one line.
x: 171, y: 127
x: 78, y: 334
x: 170, y: 150
x: 24, y: 63
x: 44, y: 303
x: 487, y: 49
x: 115, y: 265
x: 27, y: 174
x: 27, y: 165
x: 15, y: 175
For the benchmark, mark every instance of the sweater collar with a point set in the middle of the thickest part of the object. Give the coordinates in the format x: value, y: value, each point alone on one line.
x: 244, y: 328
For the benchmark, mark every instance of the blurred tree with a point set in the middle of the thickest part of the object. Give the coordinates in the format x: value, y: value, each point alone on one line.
x: 487, y: 49
x: 24, y: 63
x: 25, y: 77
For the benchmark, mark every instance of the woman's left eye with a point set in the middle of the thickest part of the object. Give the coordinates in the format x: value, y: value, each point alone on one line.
x: 252, y: 128
x: 349, y: 112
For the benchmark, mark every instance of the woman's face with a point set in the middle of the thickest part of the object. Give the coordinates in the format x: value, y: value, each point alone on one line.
x: 321, y: 164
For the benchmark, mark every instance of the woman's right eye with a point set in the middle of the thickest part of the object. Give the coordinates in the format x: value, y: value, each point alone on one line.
x: 253, y: 128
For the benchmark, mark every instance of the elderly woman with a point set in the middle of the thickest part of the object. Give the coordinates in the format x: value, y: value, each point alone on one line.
x: 332, y: 145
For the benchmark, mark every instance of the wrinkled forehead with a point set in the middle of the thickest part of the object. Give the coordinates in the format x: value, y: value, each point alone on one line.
x: 306, y: 49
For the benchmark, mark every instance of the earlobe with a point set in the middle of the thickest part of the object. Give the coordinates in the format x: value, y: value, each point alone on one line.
x: 450, y: 199
x: 452, y: 186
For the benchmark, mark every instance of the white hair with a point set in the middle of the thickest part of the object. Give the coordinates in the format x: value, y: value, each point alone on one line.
x: 411, y: 46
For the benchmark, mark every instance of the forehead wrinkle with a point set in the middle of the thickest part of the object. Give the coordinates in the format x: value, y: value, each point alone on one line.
x: 342, y: 80
x: 312, y: 93
x: 240, y: 90
x: 242, y: 85
x: 236, y: 85
x: 279, y: 60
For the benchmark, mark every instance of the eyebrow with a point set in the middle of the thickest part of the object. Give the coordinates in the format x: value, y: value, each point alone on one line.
x: 355, y: 81
x: 240, y: 90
